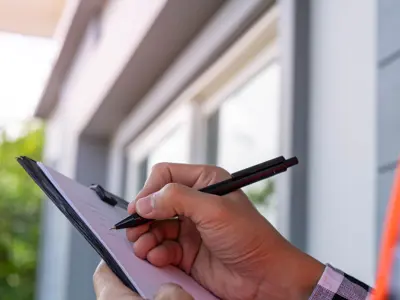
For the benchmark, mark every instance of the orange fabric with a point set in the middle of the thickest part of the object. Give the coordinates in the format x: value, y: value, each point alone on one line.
x: 389, y: 241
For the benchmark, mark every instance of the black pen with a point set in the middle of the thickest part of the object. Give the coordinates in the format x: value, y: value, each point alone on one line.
x: 238, y: 180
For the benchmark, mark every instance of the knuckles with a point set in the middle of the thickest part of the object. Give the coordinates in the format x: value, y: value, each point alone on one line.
x: 221, y: 171
x: 213, y: 174
x: 171, y: 190
x: 209, y: 171
x: 159, y: 167
x: 208, y: 175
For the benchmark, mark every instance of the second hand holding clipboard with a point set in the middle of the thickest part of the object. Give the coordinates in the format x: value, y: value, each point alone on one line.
x: 239, y: 179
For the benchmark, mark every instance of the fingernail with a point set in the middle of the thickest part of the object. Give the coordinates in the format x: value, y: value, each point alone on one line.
x: 171, y: 291
x: 145, y: 205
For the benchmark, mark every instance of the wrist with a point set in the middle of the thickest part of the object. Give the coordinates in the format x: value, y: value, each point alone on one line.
x: 307, y: 271
x: 293, y: 275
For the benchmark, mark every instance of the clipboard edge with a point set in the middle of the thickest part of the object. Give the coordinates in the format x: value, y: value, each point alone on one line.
x: 38, y: 176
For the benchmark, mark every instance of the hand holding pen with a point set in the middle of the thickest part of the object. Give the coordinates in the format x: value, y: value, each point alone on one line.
x: 223, y: 242
x: 236, y: 181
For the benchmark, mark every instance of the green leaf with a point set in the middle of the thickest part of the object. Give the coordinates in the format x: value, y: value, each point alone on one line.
x: 20, y: 206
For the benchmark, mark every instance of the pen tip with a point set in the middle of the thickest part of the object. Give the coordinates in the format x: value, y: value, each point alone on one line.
x: 113, y: 228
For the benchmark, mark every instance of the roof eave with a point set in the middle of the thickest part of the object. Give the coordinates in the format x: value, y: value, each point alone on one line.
x: 71, y: 31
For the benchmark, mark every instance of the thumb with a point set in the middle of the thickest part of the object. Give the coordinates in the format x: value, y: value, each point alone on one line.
x: 172, y: 291
x: 107, y: 286
x: 175, y: 199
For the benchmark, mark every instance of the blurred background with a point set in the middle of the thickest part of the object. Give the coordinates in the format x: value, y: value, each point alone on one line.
x: 101, y: 90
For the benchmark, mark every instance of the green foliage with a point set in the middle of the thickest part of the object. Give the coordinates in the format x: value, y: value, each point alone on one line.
x: 19, y: 216
x: 261, y: 196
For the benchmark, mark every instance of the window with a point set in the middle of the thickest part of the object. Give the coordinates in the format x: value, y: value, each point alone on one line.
x: 173, y: 148
x: 244, y: 131
x: 167, y: 140
x: 229, y: 114
x: 240, y: 101
x: 248, y: 121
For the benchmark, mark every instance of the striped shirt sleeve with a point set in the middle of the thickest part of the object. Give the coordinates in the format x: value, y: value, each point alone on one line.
x: 337, y: 285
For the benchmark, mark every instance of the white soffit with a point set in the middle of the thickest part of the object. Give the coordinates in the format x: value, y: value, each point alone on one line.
x: 28, y: 17
x: 176, y: 26
x: 69, y: 32
x: 209, y: 45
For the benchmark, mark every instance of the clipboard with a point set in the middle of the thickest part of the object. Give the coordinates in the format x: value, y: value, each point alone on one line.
x: 86, y: 208
x: 32, y: 168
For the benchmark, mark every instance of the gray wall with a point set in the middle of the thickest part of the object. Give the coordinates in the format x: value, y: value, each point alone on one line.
x: 342, y: 140
x: 67, y: 261
x: 354, y: 129
x: 91, y: 167
x: 388, y: 145
x: 294, y: 34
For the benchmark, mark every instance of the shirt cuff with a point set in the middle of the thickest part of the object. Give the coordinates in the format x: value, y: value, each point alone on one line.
x: 334, y: 283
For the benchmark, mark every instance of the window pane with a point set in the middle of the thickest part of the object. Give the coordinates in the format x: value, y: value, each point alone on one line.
x: 248, y: 132
x: 173, y: 148
x: 167, y: 140
x: 142, y: 172
x: 212, y: 138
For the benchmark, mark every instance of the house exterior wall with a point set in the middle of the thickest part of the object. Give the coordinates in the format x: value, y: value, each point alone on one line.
x: 67, y: 261
x: 292, y: 198
x: 51, y: 276
x: 342, y: 224
x: 110, y: 39
x: 351, y: 119
x: 388, y: 62
x: 210, y: 44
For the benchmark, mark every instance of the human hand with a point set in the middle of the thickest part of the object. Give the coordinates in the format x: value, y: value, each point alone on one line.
x: 107, y: 286
x: 222, y: 242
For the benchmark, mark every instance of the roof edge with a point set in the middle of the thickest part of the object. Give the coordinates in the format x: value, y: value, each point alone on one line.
x: 70, y: 31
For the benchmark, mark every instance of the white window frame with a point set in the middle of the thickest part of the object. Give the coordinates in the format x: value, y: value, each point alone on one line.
x: 234, y: 69
x: 256, y: 49
x: 264, y: 59
x: 253, y: 52
x: 157, y: 130
x: 138, y: 150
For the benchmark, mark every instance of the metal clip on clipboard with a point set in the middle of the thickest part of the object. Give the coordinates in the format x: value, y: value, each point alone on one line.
x: 108, y: 197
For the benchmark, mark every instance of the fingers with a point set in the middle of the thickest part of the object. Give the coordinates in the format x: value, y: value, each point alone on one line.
x: 133, y: 234
x: 144, y: 244
x: 157, y: 245
x: 196, y: 176
x: 166, y: 229
x: 175, y: 199
x: 161, y: 234
x: 107, y: 286
x: 172, y: 291
x: 160, y: 255
x: 168, y: 253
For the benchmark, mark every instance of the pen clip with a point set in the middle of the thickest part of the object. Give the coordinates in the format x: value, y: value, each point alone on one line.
x: 108, y: 197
